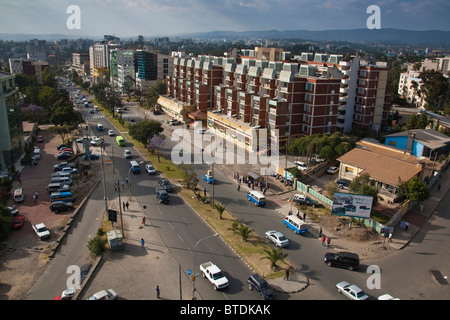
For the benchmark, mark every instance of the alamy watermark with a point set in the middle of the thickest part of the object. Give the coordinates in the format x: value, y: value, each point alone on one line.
x: 74, y: 20
x: 374, y: 21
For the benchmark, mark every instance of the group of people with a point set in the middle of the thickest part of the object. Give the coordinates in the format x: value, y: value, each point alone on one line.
x: 251, y: 183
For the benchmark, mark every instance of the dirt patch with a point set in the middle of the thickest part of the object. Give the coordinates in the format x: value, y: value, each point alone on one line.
x: 366, y: 242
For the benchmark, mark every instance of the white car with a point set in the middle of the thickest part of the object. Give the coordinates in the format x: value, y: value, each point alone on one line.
x: 332, y: 170
x: 13, y: 210
x: 351, y: 291
x: 97, y: 141
x: 41, y: 230
x: 111, y: 133
x: 301, y: 165
x: 149, y: 168
x: 104, y: 295
x: 387, y: 297
x: 127, y: 154
x: 69, y: 170
x: 277, y: 237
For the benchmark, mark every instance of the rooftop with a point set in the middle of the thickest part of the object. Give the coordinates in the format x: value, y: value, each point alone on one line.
x: 430, y: 138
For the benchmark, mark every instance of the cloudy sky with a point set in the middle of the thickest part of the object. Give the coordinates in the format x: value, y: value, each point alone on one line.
x: 169, y: 17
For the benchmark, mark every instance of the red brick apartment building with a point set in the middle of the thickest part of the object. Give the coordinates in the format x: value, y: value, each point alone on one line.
x: 295, y: 97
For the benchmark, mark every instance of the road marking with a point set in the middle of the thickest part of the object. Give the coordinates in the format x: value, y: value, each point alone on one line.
x: 171, y: 226
x: 180, y: 238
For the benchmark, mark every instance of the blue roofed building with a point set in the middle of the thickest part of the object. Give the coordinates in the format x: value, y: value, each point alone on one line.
x: 420, y: 142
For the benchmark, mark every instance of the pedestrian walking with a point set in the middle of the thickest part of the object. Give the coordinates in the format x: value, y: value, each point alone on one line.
x: 115, y: 187
x: 142, y: 243
x: 123, y: 184
x: 320, y: 232
x: 158, y: 291
x: 323, y: 240
x: 239, y: 187
x: 37, y: 195
x: 34, y: 198
x: 286, y: 274
x: 143, y: 220
x: 123, y: 206
x: 204, y: 193
x: 304, y: 216
x: 126, y: 205
x: 421, y: 208
x: 390, y: 237
x: 328, y: 242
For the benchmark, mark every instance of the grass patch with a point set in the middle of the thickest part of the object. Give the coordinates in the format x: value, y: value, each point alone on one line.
x: 379, y: 217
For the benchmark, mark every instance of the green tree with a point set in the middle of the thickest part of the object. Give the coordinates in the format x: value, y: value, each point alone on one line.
x: 144, y: 130
x: 363, y: 185
x: 6, y: 220
x: 5, y: 189
x: 220, y: 209
x: 243, y: 230
x: 96, y: 246
x: 274, y: 255
x: 414, y: 190
x: 435, y: 88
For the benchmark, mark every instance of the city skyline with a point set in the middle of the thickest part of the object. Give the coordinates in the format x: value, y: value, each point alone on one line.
x: 125, y: 18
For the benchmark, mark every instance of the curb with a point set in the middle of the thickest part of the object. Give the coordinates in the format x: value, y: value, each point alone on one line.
x: 69, y: 223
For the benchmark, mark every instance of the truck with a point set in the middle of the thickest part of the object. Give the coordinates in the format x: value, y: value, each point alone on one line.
x: 214, y: 275
x: 162, y: 195
x: 208, y: 177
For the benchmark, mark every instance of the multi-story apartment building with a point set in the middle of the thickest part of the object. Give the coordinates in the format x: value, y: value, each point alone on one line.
x: 410, y: 88
x: 80, y: 63
x: 11, y: 130
x: 29, y: 67
x: 322, y: 94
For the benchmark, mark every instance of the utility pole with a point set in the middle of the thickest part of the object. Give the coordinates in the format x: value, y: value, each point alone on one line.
x: 120, y: 208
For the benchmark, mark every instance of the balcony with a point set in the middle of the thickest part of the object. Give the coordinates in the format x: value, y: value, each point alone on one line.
x: 343, y: 99
x: 343, y: 90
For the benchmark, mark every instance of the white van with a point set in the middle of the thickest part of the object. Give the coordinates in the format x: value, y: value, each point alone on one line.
x: 64, y: 180
x: 18, y: 195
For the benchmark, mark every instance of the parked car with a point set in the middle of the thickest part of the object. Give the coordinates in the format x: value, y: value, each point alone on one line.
x: 332, y: 170
x: 343, y: 183
x: 67, y: 294
x: 64, y: 164
x: 61, y: 146
x: 13, y: 210
x: 165, y: 183
x: 302, y: 199
x: 317, y: 158
x: 40, y: 139
x: 277, y: 237
x: 149, y: 168
x: 174, y: 122
x: 91, y: 157
x: 300, y: 165
x: 58, y: 206
x: 41, y: 230
x: 347, y: 260
x: 104, y: 295
x: 111, y: 133
x: 18, y: 222
x: 351, y: 291
x: 260, y: 286
x: 64, y: 156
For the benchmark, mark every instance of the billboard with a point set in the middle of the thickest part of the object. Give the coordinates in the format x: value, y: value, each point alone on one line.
x: 351, y: 205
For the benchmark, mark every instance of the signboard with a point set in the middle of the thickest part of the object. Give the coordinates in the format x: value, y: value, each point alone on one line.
x: 352, y: 205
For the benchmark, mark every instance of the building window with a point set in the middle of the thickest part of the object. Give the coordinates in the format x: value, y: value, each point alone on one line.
x: 363, y: 73
x: 306, y: 108
x: 392, y: 143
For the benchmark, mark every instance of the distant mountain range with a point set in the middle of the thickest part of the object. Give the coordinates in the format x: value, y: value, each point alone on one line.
x: 388, y: 36
x: 391, y: 36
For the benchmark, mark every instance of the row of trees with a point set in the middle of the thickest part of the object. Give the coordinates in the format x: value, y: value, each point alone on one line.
x: 328, y: 146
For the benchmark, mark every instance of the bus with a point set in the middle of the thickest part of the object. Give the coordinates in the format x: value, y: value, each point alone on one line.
x: 298, y: 225
x: 120, y: 141
x: 257, y: 198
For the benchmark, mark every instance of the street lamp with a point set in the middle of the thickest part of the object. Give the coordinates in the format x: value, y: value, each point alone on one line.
x: 195, y: 261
